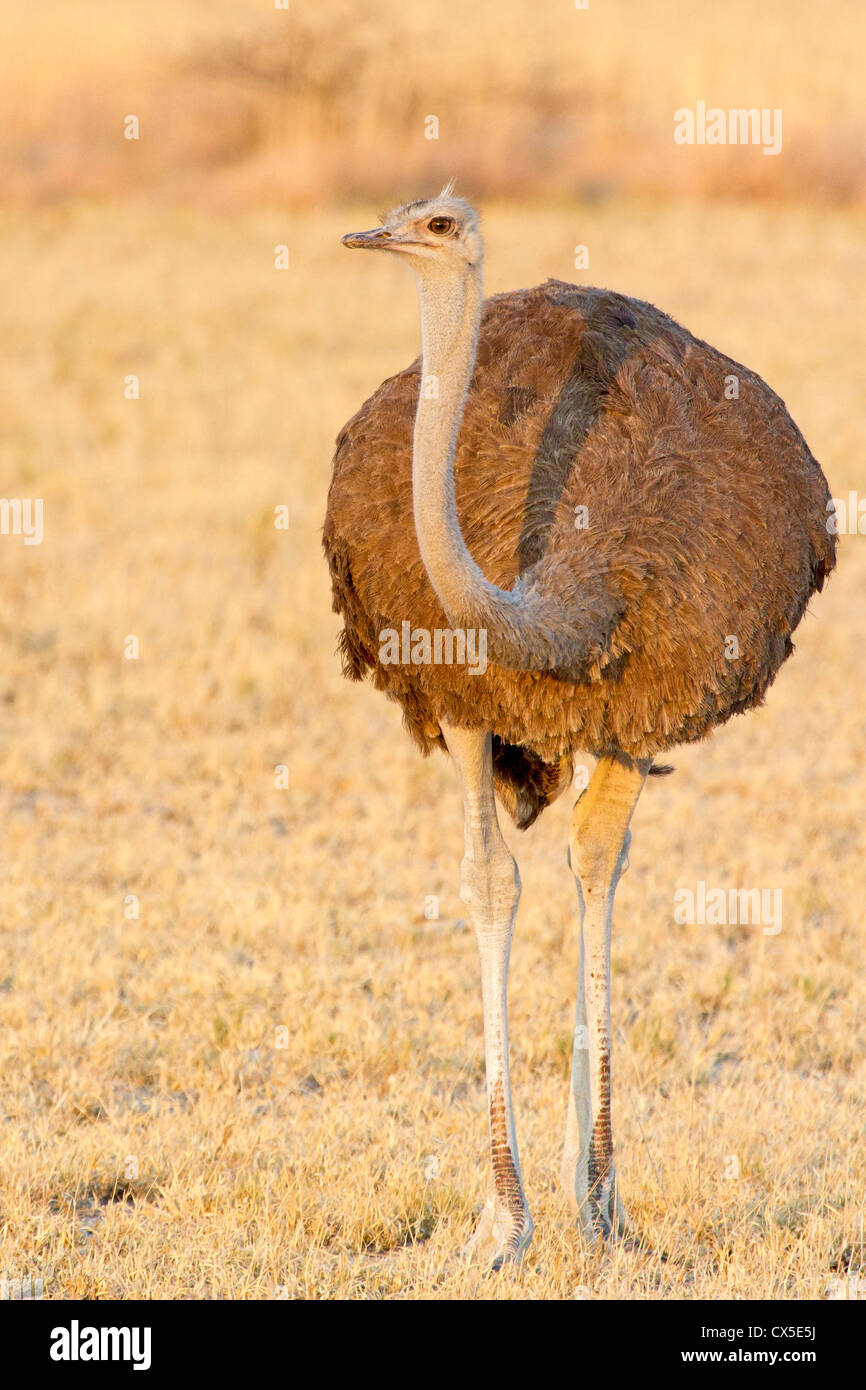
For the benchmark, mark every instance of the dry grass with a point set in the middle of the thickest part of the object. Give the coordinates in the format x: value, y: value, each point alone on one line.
x: 238, y: 100
x: 157, y: 1141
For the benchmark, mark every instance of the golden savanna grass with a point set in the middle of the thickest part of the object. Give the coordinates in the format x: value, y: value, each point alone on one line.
x: 270, y: 1081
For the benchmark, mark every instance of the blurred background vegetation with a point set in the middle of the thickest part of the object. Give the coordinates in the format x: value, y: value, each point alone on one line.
x: 239, y: 100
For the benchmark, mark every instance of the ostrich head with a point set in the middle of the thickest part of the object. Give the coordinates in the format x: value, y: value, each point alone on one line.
x: 437, y: 234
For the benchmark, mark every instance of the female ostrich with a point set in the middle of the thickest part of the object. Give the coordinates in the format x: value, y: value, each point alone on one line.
x: 634, y: 524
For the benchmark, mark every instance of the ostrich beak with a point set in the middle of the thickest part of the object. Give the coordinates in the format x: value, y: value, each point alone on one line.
x: 371, y: 240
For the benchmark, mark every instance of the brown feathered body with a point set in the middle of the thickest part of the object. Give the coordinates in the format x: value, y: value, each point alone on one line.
x: 606, y: 455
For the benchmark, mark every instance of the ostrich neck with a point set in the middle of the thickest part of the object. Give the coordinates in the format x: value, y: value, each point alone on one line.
x: 450, y: 316
x: 525, y: 630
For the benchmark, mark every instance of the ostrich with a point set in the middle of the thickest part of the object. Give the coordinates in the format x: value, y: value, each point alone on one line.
x: 634, y: 525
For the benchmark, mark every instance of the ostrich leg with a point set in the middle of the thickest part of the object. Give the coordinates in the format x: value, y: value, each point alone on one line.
x: 598, y: 853
x: 490, y: 888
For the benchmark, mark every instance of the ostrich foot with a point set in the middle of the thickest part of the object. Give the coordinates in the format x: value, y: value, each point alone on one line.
x: 597, y: 1205
x: 501, y: 1236
x: 603, y: 1216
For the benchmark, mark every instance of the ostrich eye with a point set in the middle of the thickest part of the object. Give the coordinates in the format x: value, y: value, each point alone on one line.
x: 441, y: 226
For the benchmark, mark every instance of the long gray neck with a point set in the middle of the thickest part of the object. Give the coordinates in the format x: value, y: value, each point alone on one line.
x: 450, y: 317
x: 524, y: 631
